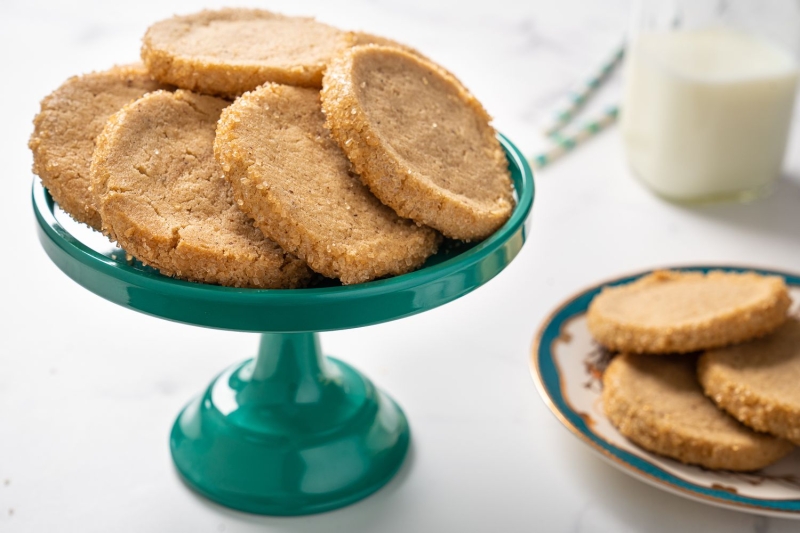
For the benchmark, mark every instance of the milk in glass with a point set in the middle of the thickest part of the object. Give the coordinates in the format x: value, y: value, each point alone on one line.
x: 706, y: 112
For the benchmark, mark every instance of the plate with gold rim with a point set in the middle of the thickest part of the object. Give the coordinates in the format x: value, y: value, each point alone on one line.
x: 567, y: 367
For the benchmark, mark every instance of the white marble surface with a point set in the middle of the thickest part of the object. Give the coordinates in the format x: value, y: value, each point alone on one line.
x: 88, y: 390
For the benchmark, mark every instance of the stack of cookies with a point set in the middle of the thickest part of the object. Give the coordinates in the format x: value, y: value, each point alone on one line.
x: 707, y: 366
x: 252, y: 149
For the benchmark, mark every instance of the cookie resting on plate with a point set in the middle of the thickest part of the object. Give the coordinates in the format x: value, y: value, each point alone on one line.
x: 65, y: 129
x: 658, y: 404
x: 292, y: 178
x: 673, y: 311
x: 164, y: 199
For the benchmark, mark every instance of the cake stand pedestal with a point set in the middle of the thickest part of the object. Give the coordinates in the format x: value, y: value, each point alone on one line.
x: 290, y: 432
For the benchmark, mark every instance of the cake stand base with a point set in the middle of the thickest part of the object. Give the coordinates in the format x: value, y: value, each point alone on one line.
x: 290, y: 432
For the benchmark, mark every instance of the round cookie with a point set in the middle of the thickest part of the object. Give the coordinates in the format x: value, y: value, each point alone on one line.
x: 163, y: 198
x: 658, y: 404
x: 757, y: 382
x: 419, y: 140
x: 292, y: 178
x: 682, y: 312
x: 66, y: 127
x: 230, y: 51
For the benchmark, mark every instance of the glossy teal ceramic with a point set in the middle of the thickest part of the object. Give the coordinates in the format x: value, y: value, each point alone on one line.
x: 290, y: 432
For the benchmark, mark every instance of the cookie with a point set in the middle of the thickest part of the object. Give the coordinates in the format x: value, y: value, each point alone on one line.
x: 670, y: 311
x: 66, y: 127
x: 757, y: 382
x: 292, y: 178
x: 163, y: 197
x: 359, y: 38
x: 657, y: 403
x: 419, y: 140
x: 230, y: 51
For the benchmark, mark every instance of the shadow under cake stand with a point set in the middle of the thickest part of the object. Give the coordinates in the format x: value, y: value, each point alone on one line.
x: 289, y: 432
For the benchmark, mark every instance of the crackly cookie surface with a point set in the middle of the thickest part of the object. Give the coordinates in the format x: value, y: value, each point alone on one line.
x: 419, y: 140
x: 230, y: 51
x: 65, y: 130
x: 671, y: 311
x: 163, y: 197
x: 293, y: 179
x: 757, y: 382
x: 658, y: 404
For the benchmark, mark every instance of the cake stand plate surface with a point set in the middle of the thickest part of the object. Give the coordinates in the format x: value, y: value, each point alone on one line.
x: 289, y: 432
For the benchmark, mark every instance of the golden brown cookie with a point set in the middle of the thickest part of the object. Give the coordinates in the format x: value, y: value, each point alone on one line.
x: 758, y: 382
x: 230, y: 51
x: 292, y: 178
x: 66, y: 127
x: 163, y: 197
x: 658, y: 404
x: 419, y: 140
x: 670, y: 311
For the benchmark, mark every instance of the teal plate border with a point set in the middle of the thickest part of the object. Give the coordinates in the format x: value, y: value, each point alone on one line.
x: 547, y: 378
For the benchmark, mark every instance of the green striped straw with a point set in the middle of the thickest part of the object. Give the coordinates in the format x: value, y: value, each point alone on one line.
x: 578, y: 97
x: 564, y: 144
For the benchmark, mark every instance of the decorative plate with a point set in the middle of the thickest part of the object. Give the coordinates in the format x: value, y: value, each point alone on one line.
x: 567, y: 366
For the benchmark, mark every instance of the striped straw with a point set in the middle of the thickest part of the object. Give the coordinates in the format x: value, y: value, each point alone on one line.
x: 565, y: 144
x: 578, y: 97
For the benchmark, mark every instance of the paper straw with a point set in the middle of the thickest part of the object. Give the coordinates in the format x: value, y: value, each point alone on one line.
x: 578, y: 97
x: 586, y: 131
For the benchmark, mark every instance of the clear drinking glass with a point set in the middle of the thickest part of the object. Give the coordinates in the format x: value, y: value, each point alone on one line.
x: 709, y: 91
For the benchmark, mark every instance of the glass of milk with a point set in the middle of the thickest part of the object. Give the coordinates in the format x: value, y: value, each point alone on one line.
x: 709, y: 91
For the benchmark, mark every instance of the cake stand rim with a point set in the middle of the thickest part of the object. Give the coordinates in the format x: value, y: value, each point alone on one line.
x: 53, y: 231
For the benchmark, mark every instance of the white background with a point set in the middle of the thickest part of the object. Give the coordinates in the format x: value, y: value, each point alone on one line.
x: 89, y: 390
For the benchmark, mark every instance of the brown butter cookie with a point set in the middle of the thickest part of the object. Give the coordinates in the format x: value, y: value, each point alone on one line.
x: 419, y: 140
x: 292, y: 178
x: 164, y: 199
x: 670, y: 311
x: 230, y: 51
x: 65, y: 129
x: 758, y: 382
x: 658, y: 404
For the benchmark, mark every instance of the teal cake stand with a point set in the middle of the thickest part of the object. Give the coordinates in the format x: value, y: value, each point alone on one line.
x: 290, y: 432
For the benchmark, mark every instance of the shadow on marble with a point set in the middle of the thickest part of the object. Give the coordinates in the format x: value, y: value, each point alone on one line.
x: 777, y: 214
x: 364, y: 515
